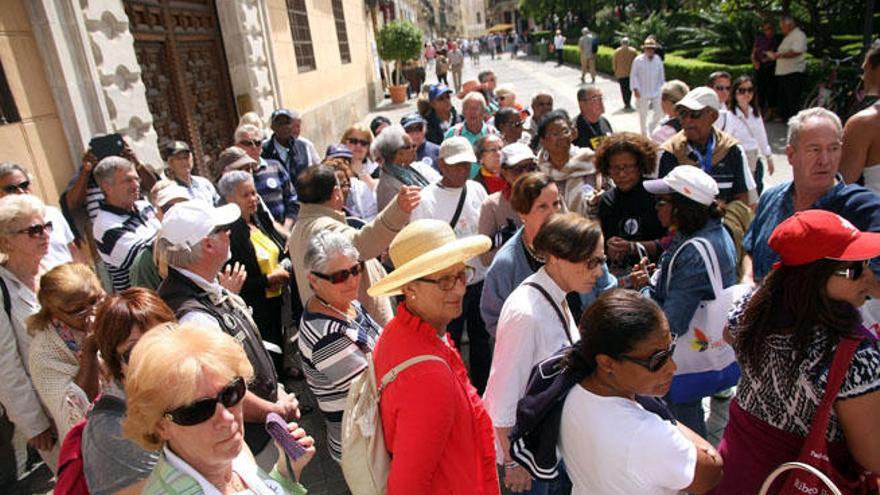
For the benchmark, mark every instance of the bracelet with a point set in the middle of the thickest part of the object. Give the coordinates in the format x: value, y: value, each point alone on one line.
x: 511, y: 465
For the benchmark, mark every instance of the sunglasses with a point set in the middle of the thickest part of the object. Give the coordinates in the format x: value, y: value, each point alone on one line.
x: 362, y: 142
x: 744, y: 91
x: 448, y: 282
x: 253, y: 143
x: 416, y: 128
x: 685, y: 113
x: 14, y: 188
x: 203, y: 409
x: 854, y: 272
x: 722, y: 88
x: 596, y: 261
x: 342, y: 275
x: 656, y: 361
x: 36, y: 230
x: 83, y: 310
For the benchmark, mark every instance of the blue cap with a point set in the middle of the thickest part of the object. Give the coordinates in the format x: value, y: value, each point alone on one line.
x: 438, y: 90
x: 338, y: 151
x: 412, y: 118
x: 284, y: 112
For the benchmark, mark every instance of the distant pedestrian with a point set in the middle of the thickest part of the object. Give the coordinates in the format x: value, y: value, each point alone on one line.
x: 765, y: 67
x: 430, y: 53
x: 456, y: 64
x: 442, y: 67
x: 475, y: 52
x: 588, y: 58
x: 621, y: 64
x: 791, y: 66
x: 559, y: 44
x: 647, y: 77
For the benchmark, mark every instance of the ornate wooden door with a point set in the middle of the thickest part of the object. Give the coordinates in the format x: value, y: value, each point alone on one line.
x: 180, y: 51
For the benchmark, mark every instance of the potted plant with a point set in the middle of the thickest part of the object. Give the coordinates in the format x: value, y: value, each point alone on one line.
x: 399, y: 41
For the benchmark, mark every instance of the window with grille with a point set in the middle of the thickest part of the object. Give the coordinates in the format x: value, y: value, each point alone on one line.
x: 8, y: 110
x: 302, y: 35
x: 341, y: 33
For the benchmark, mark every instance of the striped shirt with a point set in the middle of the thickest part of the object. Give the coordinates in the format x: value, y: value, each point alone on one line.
x: 274, y: 186
x: 332, y: 356
x: 120, y: 235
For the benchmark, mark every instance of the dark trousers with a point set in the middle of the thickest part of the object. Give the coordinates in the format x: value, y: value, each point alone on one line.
x: 625, y: 91
x: 765, y: 80
x: 480, y: 355
x: 559, y: 52
x: 441, y: 78
x: 790, y: 87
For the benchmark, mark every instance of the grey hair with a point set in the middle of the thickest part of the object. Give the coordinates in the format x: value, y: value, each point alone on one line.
x: 14, y: 207
x: 624, y: 41
x: 673, y: 91
x: 179, y: 256
x: 797, y: 122
x: 388, y: 143
x: 7, y: 168
x: 472, y: 96
x: 244, y: 129
x: 232, y: 180
x: 106, y: 168
x: 324, y: 246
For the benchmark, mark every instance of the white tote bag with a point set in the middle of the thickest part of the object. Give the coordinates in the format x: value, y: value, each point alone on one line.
x: 706, y: 363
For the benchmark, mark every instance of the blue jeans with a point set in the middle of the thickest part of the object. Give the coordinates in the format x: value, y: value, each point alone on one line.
x: 690, y: 414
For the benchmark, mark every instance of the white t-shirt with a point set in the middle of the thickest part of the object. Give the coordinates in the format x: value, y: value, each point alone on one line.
x: 439, y: 203
x: 61, y: 236
x: 612, y: 445
x: 796, y: 41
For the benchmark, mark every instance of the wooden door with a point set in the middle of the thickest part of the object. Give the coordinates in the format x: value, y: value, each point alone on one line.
x: 180, y: 50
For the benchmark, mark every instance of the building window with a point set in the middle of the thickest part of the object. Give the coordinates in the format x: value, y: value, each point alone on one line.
x: 341, y: 33
x: 8, y: 110
x: 302, y: 35
x: 478, y: 18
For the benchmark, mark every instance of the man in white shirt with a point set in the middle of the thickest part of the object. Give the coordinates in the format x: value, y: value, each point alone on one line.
x: 558, y: 44
x: 646, y: 78
x: 457, y: 200
x: 791, y: 66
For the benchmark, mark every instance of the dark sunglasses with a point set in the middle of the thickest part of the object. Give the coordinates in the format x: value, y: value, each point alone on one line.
x: 448, y: 282
x: 596, y: 261
x: 14, y: 188
x: 342, y: 275
x: 722, y: 88
x: 36, y: 230
x: 203, y: 409
x: 250, y: 142
x: 657, y: 360
x: 853, y: 272
x: 416, y: 128
x: 362, y: 142
x: 743, y: 91
x: 684, y: 113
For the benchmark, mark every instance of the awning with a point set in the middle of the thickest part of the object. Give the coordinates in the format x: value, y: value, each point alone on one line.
x: 499, y: 28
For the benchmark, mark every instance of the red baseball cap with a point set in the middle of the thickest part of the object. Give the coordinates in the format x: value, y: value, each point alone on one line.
x: 811, y: 235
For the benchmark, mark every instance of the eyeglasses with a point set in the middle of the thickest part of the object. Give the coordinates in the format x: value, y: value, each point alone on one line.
x: 854, y: 272
x: 416, y: 128
x: 745, y: 90
x: 86, y: 308
x: 342, y: 275
x: 656, y: 361
x: 362, y: 142
x: 448, y: 282
x: 685, y: 113
x: 595, y: 261
x: 36, y: 230
x: 203, y: 409
x: 594, y: 98
x: 221, y: 229
x: 14, y: 188
x: 722, y: 88
x: 253, y: 143
x: 558, y: 134
x: 620, y: 169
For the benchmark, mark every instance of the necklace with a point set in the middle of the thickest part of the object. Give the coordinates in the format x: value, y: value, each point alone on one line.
x: 347, y: 317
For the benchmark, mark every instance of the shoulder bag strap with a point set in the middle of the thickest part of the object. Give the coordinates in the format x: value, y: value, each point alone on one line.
x: 710, y: 261
x: 559, y: 312
x: 394, y: 372
x: 846, y: 349
x: 7, y: 302
x: 458, y: 208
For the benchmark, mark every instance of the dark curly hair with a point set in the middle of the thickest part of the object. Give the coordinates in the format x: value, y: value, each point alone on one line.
x: 637, y: 145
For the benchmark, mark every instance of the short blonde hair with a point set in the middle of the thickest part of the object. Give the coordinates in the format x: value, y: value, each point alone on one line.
x: 60, y: 284
x: 165, y: 369
x: 13, y: 209
x: 359, y: 128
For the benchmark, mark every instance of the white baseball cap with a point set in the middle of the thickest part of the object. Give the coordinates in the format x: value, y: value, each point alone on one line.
x: 687, y: 180
x: 514, y: 153
x: 457, y: 149
x: 170, y: 193
x: 700, y: 98
x: 186, y: 224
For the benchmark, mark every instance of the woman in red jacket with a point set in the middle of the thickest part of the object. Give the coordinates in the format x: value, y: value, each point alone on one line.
x: 436, y: 429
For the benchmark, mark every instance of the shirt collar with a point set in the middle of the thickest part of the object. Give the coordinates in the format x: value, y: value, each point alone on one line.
x: 542, y: 278
x: 214, y: 289
x: 241, y: 465
x: 417, y: 324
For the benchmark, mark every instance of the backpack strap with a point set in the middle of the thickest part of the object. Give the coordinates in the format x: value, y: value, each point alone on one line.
x: 7, y: 302
x: 562, y: 319
x: 394, y: 372
x: 458, y: 208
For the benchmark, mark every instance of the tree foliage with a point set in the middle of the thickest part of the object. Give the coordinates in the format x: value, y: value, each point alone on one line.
x: 399, y: 41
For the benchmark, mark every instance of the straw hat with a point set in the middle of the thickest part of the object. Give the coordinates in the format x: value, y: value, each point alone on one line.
x: 424, y: 247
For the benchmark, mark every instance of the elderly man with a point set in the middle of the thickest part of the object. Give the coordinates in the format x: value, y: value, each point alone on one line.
x: 322, y: 203
x: 591, y: 124
x: 286, y: 145
x: 542, y: 104
x: 814, y: 151
x: 416, y: 127
x: 701, y: 145
x: 647, y: 77
x: 588, y: 56
x: 473, y: 108
x: 124, y: 224
x: 195, y: 241
x: 270, y: 178
x: 621, y: 65
x: 861, y: 136
x: 559, y: 45
x: 442, y: 114
x: 179, y: 165
x: 791, y: 66
x: 397, y: 151
x: 456, y: 64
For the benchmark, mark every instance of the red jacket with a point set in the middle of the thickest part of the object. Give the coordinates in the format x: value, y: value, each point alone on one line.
x: 436, y: 428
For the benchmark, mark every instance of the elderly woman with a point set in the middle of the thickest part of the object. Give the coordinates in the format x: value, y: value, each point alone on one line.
x: 670, y: 94
x: 570, y: 167
x: 254, y: 242
x: 63, y: 356
x: 686, y: 203
x: 435, y: 425
x: 626, y: 350
x: 399, y: 165
x: 360, y: 200
x: 111, y: 463
x: 629, y: 221
x: 24, y: 240
x: 185, y: 388
x: 535, y: 322
x: 488, y: 151
x: 359, y: 138
x: 785, y: 334
x: 335, y: 333
x: 498, y: 219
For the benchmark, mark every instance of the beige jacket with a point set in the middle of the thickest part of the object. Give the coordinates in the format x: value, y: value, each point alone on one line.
x: 622, y: 61
x: 370, y: 241
x: 53, y: 366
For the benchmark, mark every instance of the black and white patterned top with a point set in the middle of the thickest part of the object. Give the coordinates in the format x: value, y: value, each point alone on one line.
x: 768, y: 394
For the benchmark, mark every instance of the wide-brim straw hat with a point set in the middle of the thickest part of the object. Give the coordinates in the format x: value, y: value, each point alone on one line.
x: 424, y: 247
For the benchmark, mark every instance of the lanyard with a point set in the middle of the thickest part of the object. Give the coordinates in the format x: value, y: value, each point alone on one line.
x: 705, y: 161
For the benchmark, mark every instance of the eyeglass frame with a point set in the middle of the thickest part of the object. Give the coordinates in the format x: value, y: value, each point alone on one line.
x: 655, y: 361
x: 36, y: 230
x: 853, y: 272
x: 23, y: 186
x: 447, y: 283
x: 238, y: 385
x: 342, y: 276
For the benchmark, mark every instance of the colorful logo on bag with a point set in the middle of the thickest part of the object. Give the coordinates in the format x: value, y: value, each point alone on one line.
x: 701, y: 342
